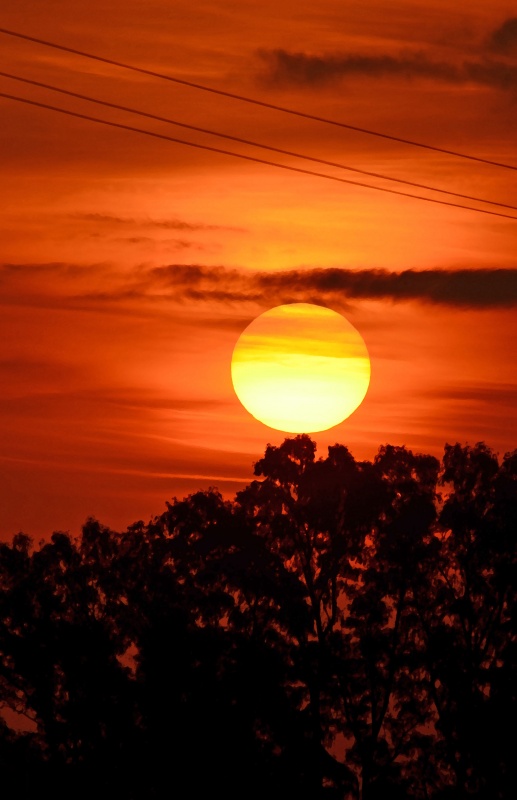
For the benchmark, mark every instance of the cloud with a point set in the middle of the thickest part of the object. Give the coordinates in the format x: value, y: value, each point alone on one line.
x: 32, y: 370
x: 504, y: 39
x: 504, y: 394
x: 55, y: 267
x: 495, y: 74
x: 285, y: 69
x: 172, y: 244
x: 196, y: 283
x: 194, y: 275
x: 136, y: 399
x: 290, y: 68
x: 480, y: 288
x: 172, y: 224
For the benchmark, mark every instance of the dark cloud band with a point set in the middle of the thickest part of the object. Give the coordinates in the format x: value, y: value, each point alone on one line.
x: 504, y: 39
x: 480, y: 288
x: 194, y: 283
x: 284, y: 68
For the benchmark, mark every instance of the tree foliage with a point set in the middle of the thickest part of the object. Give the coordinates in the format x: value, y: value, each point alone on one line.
x: 342, y: 630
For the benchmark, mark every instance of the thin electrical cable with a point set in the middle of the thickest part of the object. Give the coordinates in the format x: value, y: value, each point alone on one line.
x: 313, y: 159
x: 254, y: 101
x: 256, y: 160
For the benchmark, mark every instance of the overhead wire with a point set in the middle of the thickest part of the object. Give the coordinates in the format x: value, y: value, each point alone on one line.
x: 254, y: 159
x: 241, y: 140
x: 255, y: 101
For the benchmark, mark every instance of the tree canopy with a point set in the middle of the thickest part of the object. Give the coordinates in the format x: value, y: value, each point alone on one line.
x: 341, y: 630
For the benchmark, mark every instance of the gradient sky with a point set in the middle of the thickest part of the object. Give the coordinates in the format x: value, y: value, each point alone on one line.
x: 130, y: 265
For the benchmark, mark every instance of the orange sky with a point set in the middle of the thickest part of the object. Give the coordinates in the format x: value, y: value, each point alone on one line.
x: 129, y: 265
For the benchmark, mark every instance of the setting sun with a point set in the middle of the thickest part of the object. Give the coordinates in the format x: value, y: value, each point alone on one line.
x: 300, y: 368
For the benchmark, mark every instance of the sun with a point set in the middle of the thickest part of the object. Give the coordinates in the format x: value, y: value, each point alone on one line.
x: 300, y: 368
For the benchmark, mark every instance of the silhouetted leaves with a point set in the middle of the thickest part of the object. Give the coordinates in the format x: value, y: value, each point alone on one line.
x: 343, y: 630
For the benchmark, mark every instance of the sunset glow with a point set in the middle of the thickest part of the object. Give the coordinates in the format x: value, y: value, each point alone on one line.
x: 300, y: 368
x: 134, y: 252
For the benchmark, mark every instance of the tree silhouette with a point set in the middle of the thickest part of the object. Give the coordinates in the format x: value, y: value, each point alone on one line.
x: 342, y: 630
x: 468, y: 617
x: 352, y: 533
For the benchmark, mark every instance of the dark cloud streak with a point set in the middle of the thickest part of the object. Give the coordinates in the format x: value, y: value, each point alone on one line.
x: 144, y: 222
x: 285, y: 68
x: 504, y: 38
x: 184, y: 283
x: 485, y: 394
x: 463, y: 288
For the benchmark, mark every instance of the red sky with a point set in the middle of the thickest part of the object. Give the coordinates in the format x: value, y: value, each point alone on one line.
x: 129, y: 265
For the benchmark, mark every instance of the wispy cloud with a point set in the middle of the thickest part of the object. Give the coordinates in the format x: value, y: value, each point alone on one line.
x: 196, y: 283
x: 286, y: 68
x: 172, y: 244
x: 173, y: 224
x: 480, y: 288
x: 485, y: 394
x: 504, y: 39
x: 31, y: 371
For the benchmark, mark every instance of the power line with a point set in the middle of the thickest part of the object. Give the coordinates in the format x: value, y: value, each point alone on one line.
x: 256, y: 102
x: 252, y: 143
x: 251, y: 158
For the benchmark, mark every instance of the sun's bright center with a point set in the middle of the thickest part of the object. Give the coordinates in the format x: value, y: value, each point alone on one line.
x: 300, y: 368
